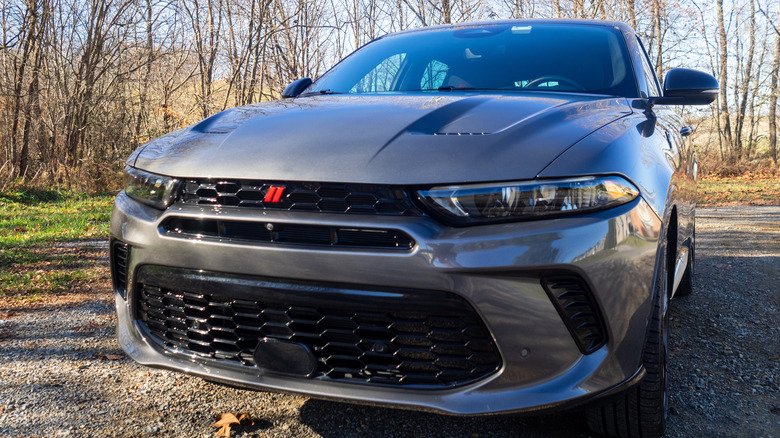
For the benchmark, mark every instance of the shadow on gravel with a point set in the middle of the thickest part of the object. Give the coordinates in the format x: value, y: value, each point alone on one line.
x: 40, y: 334
x: 725, y: 363
x: 338, y: 420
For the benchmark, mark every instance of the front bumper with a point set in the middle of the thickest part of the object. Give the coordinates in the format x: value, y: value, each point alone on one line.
x: 495, y: 268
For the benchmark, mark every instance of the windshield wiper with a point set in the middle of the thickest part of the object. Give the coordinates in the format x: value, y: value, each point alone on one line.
x: 451, y: 88
x: 326, y: 91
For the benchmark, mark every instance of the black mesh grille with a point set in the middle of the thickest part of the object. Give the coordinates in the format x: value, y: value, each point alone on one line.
x: 300, y: 196
x: 420, y: 339
x: 119, y: 262
x: 579, y: 311
x: 317, y: 235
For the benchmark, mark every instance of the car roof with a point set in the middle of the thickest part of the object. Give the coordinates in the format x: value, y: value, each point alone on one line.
x: 477, y: 24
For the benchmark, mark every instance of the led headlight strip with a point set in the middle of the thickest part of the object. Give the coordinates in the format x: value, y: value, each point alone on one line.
x: 506, y: 201
x: 154, y: 190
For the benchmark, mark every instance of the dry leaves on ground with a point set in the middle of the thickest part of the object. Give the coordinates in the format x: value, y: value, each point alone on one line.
x: 226, y: 421
x: 104, y: 356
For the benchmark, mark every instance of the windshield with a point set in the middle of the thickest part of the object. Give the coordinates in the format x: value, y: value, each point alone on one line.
x: 512, y: 57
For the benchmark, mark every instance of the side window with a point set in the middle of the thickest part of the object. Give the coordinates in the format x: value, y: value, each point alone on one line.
x: 649, y: 73
x: 382, y: 77
x: 433, y: 75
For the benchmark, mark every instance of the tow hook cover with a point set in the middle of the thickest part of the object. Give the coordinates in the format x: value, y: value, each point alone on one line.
x: 285, y: 357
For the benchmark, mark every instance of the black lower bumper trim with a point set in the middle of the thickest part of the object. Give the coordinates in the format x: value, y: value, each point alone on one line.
x: 425, y: 339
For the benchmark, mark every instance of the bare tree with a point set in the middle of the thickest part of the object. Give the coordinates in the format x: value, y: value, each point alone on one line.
x: 30, y: 54
x: 429, y: 12
x: 725, y: 129
x: 104, y: 32
x: 82, y: 82
x: 33, y: 108
x: 773, y: 94
x: 206, y: 21
x: 745, y: 84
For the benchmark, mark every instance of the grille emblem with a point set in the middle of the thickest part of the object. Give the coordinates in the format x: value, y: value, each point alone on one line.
x: 380, y: 348
x: 274, y: 194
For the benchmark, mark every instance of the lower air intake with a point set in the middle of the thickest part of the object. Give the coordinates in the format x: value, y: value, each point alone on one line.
x: 119, y: 255
x: 422, y: 339
x: 575, y: 304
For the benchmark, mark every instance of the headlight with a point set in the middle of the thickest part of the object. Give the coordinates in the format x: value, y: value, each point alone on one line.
x: 155, y: 190
x: 502, y: 202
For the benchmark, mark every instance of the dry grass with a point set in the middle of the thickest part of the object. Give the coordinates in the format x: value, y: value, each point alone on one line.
x: 749, y: 188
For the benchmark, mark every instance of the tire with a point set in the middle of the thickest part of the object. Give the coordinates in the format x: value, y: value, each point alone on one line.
x: 686, y: 284
x: 641, y: 411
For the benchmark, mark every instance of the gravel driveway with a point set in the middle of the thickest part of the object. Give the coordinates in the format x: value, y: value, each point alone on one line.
x: 63, y: 374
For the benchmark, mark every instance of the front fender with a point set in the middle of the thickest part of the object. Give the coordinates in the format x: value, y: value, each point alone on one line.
x: 635, y: 147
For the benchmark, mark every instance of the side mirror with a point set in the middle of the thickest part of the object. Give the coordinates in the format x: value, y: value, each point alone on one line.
x: 296, y: 88
x: 688, y: 87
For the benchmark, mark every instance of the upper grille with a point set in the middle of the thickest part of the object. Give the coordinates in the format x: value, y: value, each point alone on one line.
x: 316, y: 235
x: 422, y: 339
x: 300, y: 196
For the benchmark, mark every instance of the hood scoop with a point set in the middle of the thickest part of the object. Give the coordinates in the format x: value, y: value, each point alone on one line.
x: 477, y: 116
x: 227, y: 121
x: 437, y: 121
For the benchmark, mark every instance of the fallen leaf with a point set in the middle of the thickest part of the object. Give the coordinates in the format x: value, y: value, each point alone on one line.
x: 226, y: 421
x: 103, y: 356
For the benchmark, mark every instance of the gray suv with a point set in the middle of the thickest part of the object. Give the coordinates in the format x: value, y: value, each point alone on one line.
x: 466, y: 219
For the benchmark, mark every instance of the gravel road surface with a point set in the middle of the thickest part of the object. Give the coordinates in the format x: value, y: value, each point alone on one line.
x: 63, y: 374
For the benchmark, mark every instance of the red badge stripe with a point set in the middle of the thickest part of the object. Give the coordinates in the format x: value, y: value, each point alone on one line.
x: 274, y: 194
x: 278, y: 194
x: 270, y: 195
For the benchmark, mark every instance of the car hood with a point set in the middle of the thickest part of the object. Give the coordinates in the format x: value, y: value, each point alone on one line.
x: 393, y: 139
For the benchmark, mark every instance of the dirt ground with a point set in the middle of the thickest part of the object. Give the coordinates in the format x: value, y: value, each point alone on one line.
x: 63, y: 374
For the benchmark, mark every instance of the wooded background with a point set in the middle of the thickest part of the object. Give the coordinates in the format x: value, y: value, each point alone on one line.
x: 84, y: 82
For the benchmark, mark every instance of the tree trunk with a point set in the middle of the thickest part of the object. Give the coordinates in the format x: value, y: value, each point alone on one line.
x: 773, y: 98
x: 631, y: 13
x: 17, y: 151
x: 81, y: 97
x: 723, y: 78
x: 745, y: 86
x: 754, y: 93
x: 147, y: 75
x: 33, y: 103
x: 659, y: 61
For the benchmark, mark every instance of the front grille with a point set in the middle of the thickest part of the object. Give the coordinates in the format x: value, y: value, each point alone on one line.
x: 410, y: 338
x: 300, y: 196
x: 301, y: 234
x: 119, y: 255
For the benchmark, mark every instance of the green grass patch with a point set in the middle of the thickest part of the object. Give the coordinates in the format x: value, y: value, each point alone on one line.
x: 32, y: 217
x: 35, y: 228
x: 738, y: 190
